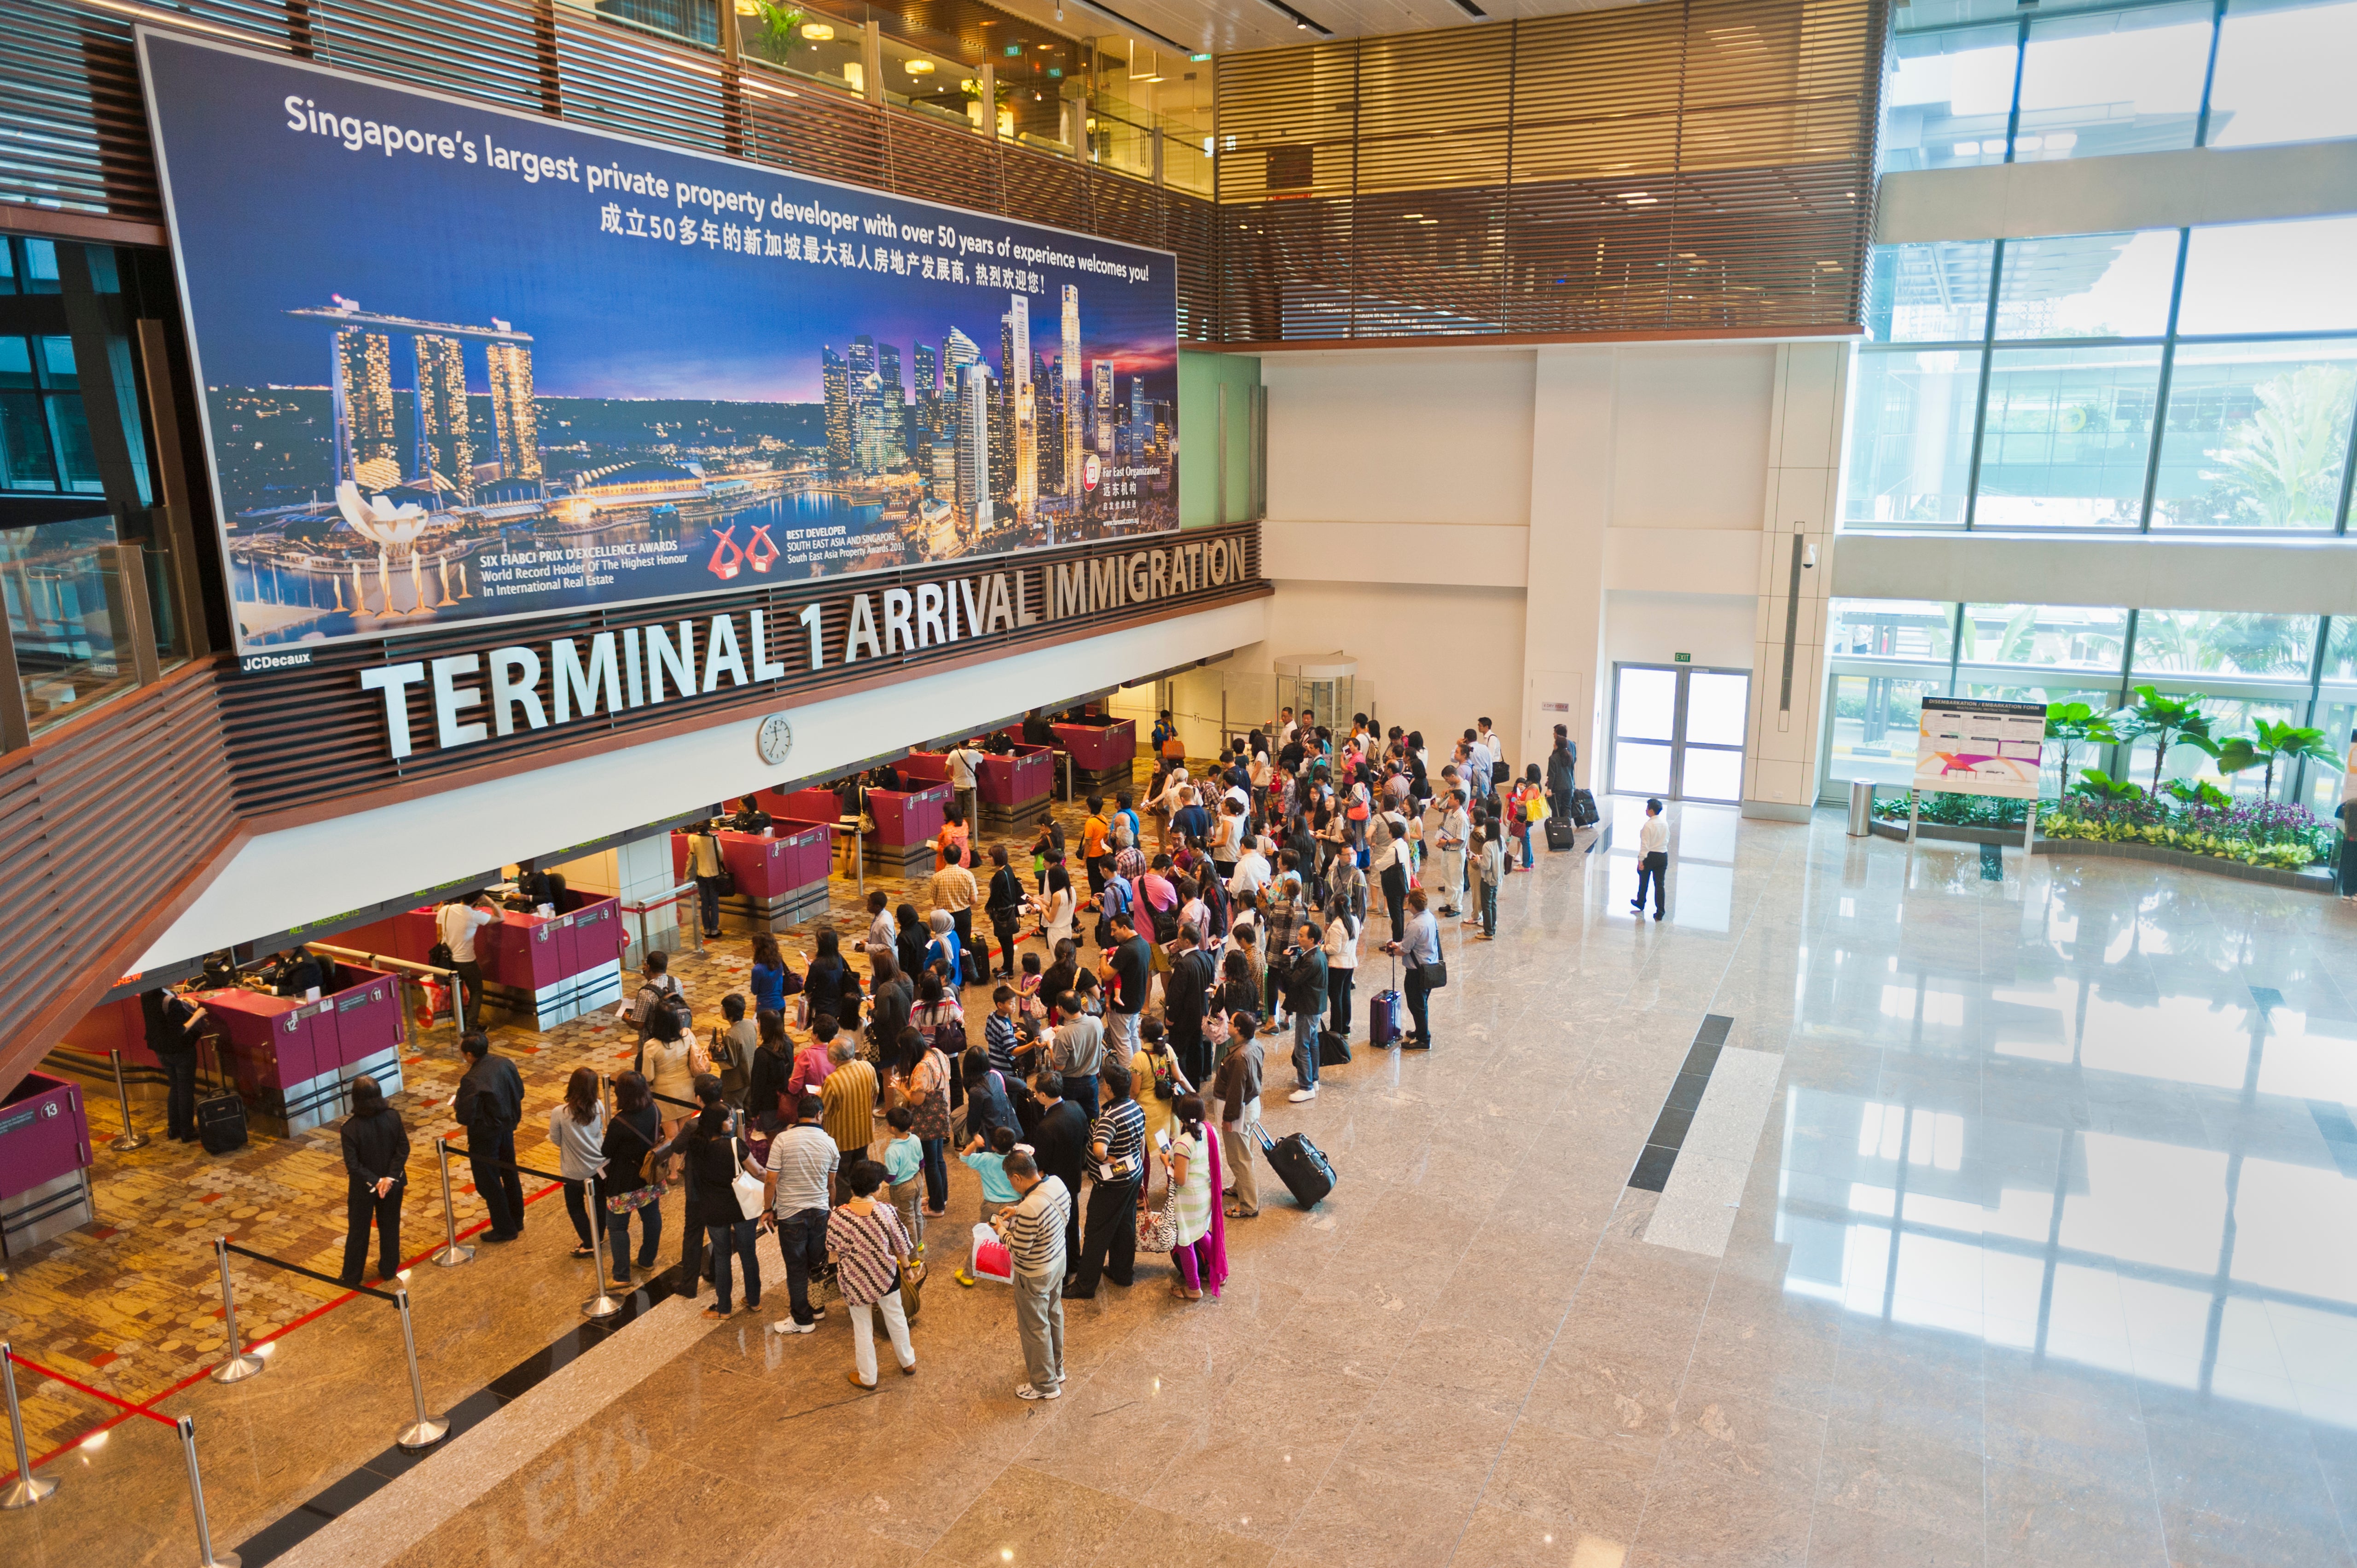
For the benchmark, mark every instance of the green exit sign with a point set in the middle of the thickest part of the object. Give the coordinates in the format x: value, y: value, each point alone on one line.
x: 1682, y: 657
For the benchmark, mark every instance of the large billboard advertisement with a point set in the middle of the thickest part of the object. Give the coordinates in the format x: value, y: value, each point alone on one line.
x: 462, y: 365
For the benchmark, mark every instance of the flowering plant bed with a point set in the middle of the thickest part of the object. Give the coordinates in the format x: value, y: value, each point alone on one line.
x: 2270, y: 834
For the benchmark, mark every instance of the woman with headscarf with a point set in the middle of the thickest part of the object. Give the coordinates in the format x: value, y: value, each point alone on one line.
x: 1200, y: 1250
x: 942, y: 951
x: 914, y: 935
x: 832, y: 987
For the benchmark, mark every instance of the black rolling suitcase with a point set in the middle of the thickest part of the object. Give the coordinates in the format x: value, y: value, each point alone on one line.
x: 1333, y: 1049
x: 221, y: 1117
x: 1299, y: 1166
x: 1560, y: 833
x: 1583, y: 808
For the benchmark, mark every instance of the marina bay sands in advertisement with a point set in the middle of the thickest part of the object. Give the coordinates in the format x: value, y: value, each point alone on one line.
x: 462, y: 365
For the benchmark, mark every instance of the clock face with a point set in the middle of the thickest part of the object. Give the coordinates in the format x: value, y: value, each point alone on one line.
x: 775, y: 739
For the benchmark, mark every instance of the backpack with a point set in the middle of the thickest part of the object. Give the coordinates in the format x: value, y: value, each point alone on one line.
x: 1165, y: 921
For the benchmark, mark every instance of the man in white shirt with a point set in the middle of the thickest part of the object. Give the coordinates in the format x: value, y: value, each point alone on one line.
x: 1252, y: 870
x: 1653, y: 859
x: 964, y: 758
x: 1446, y: 838
x: 455, y: 923
x: 803, y: 1162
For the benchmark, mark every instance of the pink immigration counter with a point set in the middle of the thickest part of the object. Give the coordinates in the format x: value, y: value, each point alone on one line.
x: 538, y: 970
x: 780, y: 876
x: 293, y: 1061
x: 44, y: 1163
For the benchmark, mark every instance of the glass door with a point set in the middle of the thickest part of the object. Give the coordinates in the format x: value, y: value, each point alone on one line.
x: 1677, y: 732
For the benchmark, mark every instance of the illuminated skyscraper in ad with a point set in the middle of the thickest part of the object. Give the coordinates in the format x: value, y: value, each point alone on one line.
x: 973, y: 445
x: 1102, y: 371
x: 835, y: 384
x: 513, y: 408
x: 925, y: 427
x: 445, y: 443
x: 363, y: 409
x: 1015, y: 341
x: 1070, y: 407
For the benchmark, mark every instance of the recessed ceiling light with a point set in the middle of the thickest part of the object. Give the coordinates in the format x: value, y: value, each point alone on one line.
x: 818, y: 32
x: 921, y: 67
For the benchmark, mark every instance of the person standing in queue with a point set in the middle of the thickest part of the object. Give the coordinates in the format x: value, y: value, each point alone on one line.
x: 705, y: 865
x: 456, y: 923
x: 1417, y: 946
x: 1004, y: 905
x: 1117, y: 1150
x: 1035, y: 1231
x: 802, y: 1162
x: 1304, y: 984
x: 376, y: 1162
x: 175, y: 1023
x: 490, y: 1103
x: 963, y: 764
x: 1060, y: 1142
x: 1562, y: 770
x: 576, y: 1125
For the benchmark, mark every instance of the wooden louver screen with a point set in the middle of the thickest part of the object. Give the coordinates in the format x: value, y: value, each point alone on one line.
x: 1674, y: 167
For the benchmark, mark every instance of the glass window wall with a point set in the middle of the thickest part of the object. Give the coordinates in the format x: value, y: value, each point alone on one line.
x: 2234, y: 345
x: 1884, y: 657
x: 2071, y: 82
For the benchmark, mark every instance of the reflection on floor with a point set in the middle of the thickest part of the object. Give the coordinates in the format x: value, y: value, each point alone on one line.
x: 2038, y: 1255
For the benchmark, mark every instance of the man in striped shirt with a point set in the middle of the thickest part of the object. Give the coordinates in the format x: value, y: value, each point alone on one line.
x: 1033, y: 1231
x: 1117, y: 1156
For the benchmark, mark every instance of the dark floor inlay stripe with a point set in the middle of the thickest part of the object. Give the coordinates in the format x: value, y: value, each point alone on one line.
x: 283, y: 1534
x: 1669, y: 1134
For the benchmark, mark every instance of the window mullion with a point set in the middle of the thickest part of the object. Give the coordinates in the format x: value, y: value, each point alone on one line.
x: 2013, y: 112
x: 1988, y: 359
x: 2210, y: 72
x: 2160, y: 387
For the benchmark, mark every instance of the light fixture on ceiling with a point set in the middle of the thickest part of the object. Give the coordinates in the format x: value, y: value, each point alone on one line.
x: 921, y: 67
x: 818, y: 32
x: 1301, y: 22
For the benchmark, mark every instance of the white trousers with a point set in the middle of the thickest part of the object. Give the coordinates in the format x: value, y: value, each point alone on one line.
x: 863, y: 1335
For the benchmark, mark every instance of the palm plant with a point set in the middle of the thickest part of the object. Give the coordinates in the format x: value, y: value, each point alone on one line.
x: 2099, y: 787
x: 2075, y: 725
x: 2269, y: 744
x: 2167, y: 722
x: 2284, y: 461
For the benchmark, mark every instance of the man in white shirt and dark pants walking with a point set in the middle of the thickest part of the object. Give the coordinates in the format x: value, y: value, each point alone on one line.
x: 963, y: 762
x: 1653, y: 859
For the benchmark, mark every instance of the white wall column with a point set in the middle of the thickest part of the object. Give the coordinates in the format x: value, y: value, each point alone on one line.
x: 1803, y: 462
x: 1575, y: 408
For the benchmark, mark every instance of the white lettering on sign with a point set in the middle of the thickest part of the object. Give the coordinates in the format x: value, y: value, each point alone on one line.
x: 606, y: 674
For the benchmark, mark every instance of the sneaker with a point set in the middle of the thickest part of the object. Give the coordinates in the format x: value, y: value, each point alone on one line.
x: 1026, y: 1391
x: 1298, y: 1095
x: 965, y: 1279
x: 1638, y: 904
x: 787, y: 1326
x: 1657, y: 914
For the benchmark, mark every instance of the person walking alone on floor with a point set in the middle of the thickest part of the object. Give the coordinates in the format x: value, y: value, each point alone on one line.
x: 1653, y: 859
x: 870, y: 1246
x: 1034, y: 1230
x: 490, y: 1103
x: 576, y: 1125
x: 376, y: 1162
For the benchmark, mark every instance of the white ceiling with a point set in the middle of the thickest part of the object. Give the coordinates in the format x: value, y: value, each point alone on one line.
x: 1230, y: 26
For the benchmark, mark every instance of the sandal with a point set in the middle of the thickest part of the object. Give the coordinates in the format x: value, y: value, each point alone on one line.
x: 583, y: 1253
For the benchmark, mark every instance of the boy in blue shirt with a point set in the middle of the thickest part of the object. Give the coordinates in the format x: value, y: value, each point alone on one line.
x: 997, y: 1192
x: 904, y: 1160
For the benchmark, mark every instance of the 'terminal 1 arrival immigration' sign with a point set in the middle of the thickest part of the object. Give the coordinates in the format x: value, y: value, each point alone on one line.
x: 465, y: 365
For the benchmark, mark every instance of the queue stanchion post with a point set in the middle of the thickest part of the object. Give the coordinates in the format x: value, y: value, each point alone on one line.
x: 428, y: 1430
x: 239, y: 1366
x: 452, y: 1254
x: 206, y: 1557
x: 28, y: 1488
x: 603, y: 1304
x: 131, y: 1138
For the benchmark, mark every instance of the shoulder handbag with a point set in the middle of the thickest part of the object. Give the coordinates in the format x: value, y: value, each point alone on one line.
x: 1158, y: 1228
x: 1433, y: 975
x: 749, y: 1187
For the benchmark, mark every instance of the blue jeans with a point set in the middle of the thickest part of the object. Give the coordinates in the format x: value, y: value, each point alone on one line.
x: 707, y: 896
x: 733, y: 1238
x: 617, y: 1240
x: 1529, y: 859
x: 801, y: 1242
x: 1305, y: 1045
x: 1489, y: 908
x: 937, y: 1172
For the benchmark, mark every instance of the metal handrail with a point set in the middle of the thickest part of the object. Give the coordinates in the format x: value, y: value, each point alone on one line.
x: 674, y: 896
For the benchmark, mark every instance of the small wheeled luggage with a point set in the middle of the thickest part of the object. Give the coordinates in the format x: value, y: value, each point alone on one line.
x: 1333, y: 1049
x: 221, y: 1115
x: 1299, y: 1166
x: 1583, y: 808
x: 1383, y: 1009
x: 1559, y: 832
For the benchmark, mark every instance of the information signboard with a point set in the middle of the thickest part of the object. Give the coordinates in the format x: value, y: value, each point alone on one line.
x: 1968, y: 747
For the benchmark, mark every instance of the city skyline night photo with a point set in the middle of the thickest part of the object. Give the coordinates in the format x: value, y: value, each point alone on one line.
x: 460, y: 365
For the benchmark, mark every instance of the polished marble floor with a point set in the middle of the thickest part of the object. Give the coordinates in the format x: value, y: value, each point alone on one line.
x: 2040, y: 1254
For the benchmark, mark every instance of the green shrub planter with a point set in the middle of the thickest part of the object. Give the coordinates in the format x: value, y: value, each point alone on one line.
x: 2316, y: 878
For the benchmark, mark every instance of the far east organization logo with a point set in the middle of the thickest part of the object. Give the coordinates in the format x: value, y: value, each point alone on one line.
x: 1089, y: 472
